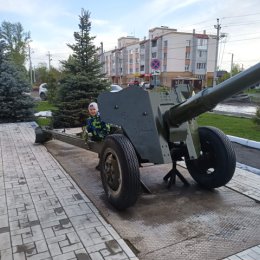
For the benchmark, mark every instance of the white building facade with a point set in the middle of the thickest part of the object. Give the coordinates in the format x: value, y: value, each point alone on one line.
x: 166, y: 55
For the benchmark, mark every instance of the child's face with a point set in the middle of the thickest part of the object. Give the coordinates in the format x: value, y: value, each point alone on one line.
x: 92, y: 111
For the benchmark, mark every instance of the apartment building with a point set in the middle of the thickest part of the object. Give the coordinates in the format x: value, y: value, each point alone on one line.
x: 175, y: 54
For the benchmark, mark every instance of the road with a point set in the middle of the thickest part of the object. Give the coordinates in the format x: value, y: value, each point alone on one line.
x: 248, y: 156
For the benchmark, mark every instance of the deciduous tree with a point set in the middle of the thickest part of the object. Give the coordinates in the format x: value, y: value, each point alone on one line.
x: 16, y: 41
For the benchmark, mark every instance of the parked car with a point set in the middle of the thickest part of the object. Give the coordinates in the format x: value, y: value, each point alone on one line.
x: 115, y: 88
x: 146, y: 85
x: 133, y: 83
x: 43, y: 89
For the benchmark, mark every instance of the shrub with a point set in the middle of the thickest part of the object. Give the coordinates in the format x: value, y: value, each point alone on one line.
x: 256, y: 118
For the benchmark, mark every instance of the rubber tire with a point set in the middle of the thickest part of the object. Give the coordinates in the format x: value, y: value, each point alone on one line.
x: 217, y: 154
x: 122, y: 150
x: 43, y: 97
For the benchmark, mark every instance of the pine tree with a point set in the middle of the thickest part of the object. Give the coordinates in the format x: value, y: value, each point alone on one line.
x: 15, y: 104
x: 83, y: 80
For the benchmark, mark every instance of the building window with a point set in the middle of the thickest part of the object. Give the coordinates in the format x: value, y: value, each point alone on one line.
x: 136, y: 50
x: 201, y: 65
x: 187, y: 67
x: 154, y: 43
x: 187, y: 55
x: 165, y: 55
x: 188, y: 43
x: 131, y: 70
x: 154, y: 55
x: 201, y: 77
x: 165, y: 44
x: 136, y: 69
x: 165, y: 68
x: 142, y: 68
x: 131, y: 61
x: 142, y: 46
x: 203, y: 44
x: 202, y: 54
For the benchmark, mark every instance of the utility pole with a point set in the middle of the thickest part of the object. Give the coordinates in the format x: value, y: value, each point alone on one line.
x: 49, y: 59
x: 218, y: 27
x: 232, y: 58
x: 30, y: 64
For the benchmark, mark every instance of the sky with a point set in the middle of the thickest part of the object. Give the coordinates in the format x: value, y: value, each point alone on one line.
x: 52, y: 23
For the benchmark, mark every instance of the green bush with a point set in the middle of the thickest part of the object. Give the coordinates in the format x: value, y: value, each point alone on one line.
x: 256, y: 118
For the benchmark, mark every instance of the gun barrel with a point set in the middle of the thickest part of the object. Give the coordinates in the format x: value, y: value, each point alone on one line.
x: 208, y: 98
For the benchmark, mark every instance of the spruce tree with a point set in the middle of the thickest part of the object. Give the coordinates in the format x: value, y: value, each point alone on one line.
x: 83, y: 80
x: 15, y: 103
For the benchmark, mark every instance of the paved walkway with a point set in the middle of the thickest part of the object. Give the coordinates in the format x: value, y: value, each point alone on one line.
x: 44, y: 215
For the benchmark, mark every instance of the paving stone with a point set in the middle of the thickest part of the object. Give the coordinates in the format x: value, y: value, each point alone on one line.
x: 49, y: 224
x: 73, y: 238
x: 6, y: 254
x: 71, y: 247
x: 48, y: 232
x: 20, y: 231
x: 47, y: 204
x: 27, y: 249
x: 85, y: 221
x: 5, y: 242
x: 82, y: 254
x: 56, y: 239
x: 96, y: 256
x: 3, y: 221
x: 36, y: 234
x: 19, y: 256
x: 65, y: 256
x: 85, y: 238
x: 64, y: 243
x: 16, y: 240
x: 40, y: 256
x: 55, y: 249
x: 62, y: 231
x: 49, y: 216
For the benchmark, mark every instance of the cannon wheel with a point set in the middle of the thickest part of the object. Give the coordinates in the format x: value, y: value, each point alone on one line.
x: 216, y: 165
x: 120, y: 171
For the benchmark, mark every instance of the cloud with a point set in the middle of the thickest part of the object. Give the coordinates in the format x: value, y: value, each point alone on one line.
x: 15, y: 6
x: 52, y: 28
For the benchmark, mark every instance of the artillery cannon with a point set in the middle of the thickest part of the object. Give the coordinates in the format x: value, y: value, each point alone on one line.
x: 161, y: 128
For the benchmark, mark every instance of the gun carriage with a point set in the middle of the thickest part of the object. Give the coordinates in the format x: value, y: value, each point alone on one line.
x: 160, y: 128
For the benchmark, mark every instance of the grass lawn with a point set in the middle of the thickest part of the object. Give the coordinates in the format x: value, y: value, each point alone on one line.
x: 236, y: 126
x: 44, y: 106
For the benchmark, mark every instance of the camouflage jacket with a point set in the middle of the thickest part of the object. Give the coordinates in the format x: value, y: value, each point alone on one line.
x: 97, y: 128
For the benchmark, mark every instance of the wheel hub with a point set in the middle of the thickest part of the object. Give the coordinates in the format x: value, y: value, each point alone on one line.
x: 112, y: 172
